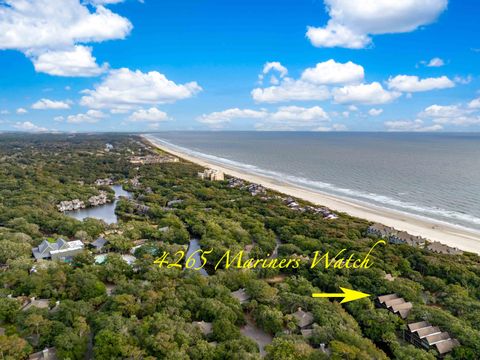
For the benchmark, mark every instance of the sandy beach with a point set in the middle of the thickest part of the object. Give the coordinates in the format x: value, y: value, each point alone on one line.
x: 464, y: 239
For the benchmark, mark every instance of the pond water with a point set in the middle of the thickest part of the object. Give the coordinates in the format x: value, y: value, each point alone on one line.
x: 194, y: 246
x: 103, y: 212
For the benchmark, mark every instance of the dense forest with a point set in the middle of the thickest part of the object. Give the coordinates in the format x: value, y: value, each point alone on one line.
x: 117, y: 310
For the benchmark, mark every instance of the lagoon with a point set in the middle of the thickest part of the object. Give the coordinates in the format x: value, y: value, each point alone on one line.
x: 103, y: 212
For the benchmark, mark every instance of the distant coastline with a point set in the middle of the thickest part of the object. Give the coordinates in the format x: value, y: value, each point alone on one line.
x: 464, y: 239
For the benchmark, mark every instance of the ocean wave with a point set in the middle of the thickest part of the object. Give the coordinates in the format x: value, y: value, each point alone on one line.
x: 433, y: 213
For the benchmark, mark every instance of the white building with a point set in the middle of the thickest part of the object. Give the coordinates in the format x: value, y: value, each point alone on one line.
x: 60, y: 249
x: 212, y: 175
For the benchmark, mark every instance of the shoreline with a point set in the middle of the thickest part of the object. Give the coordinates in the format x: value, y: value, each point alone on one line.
x: 464, y: 239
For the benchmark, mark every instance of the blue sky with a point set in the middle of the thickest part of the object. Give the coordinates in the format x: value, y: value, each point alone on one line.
x: 111, y: 65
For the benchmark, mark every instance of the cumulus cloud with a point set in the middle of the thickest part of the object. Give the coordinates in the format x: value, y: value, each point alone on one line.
x: 372, y: 94
x: 50, y: 33
x: 4, y: 112
x: 291, y: 90
x: 274, y: 66
x: 22, y: 111
x: 284, y: 118
x: 124, y: 89
x: 474, y: 104
x: 334, y: 127
x: 46, y: 104
x: 411, y: 125
x: 352, y: 22
x: 29, y: 127
x: 331, y: 72
x: 103, y: 2
x: 375, y: 112
x: 77, y: 61
x: 408, y: 83
x: 225, y: 116
x: 436, y: 62
x: 299, y: 114
x: 90, y: 117
x: 451, y: 114
x: 437, y: 111
x: 150, y: 115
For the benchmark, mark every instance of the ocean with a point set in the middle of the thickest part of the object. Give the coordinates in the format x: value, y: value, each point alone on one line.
x: 435, y: 176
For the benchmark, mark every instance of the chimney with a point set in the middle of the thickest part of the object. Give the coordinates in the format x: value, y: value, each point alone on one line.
x: 45, y: 354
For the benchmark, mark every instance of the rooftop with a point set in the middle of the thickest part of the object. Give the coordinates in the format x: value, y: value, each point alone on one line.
x: 241, y: 295
x: 304, y: 318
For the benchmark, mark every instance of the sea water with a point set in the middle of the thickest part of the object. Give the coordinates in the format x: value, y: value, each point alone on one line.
x: 435, y: 176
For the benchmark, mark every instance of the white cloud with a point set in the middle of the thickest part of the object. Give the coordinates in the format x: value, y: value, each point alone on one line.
x: 49, y: 33
x: 284, y: 118
x: 451, y: 114
x: 104, y: 2
x: 372, y: 93
x: 277, y: 66
x: 29, y: 126
x: 436, y: 62
x: 474, y: 104
x: 126, y: 89
x: 331, y: 72
x: 4, y: 112
x: 151, y: 115
x: 22, y: 111
x: 407, y: 83
x: 58, y: 118
x: 220, y: 117
x: 77, y: 61
x: 463, y: 80
x: 45, y: 104
x: 459, y: 121
x: 441, y: 111
x: 90, y: 117
x: 290, y: 90
x: 299, y: 114
x: 375, y: 112
x: 414, y: 125
x: 351, y: 22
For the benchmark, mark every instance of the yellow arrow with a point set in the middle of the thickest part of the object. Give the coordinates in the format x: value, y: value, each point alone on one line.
x: 348, y: 295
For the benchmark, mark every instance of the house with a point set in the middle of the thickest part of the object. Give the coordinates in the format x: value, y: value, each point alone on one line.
x: 99, y: 244
x: 304, y: 319
x: 440, y: 248
x: 129, y: 259
x: 402, y: 237
x: 256, y: 189
x: 212, y: 175
x: 395, y: 304
x: 153, y: 159
x: 235, y: 182
x: 2, y: 331
x: 241, y: 295
x: 205, y: 327
x: 46, y: 354
x: 99, y: 199
x: 379, y: 230
x: 104, y: 182
x: 59, y: 250
x: 422, y: 334
x: 70, y: 205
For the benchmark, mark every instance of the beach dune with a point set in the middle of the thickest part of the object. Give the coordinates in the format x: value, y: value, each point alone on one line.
x: 464, y: 239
